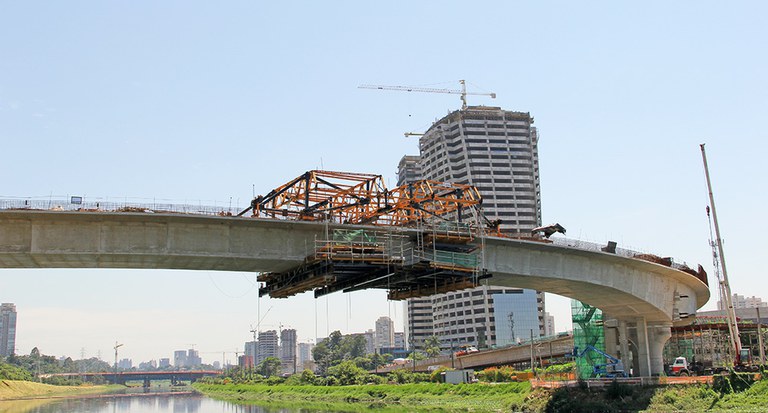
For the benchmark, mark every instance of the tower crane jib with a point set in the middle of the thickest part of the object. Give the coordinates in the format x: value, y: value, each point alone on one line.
x: 463, y: 92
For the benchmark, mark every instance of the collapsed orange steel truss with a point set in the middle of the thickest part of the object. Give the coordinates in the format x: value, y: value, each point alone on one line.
x: 355, y: 198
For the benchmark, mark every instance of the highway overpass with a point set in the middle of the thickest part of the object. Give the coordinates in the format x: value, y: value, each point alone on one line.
x: 645, y: 297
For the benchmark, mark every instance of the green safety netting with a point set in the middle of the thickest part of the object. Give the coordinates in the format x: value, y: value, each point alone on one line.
x: 587, y: 331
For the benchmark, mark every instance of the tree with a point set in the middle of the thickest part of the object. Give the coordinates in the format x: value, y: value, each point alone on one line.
x: 348, y: 373
x: 271, y: 366
x: 432, y: 346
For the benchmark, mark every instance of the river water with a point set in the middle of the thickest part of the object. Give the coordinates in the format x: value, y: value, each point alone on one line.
x: 137, y: 403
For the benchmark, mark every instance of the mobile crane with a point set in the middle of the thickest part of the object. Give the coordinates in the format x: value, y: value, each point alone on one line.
x: 742, y: 354
x: 613, y: 368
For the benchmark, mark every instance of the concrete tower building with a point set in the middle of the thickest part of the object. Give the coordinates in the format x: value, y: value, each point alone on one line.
x: 288, y: 356
x: 266, y: 346
x: 497, y: 152
x: 7, y: 329
x: 385, y: 333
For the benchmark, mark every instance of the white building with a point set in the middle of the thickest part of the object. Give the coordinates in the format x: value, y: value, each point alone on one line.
x: 266, y: 346
x: 497, y: 152
x: 385, y: 333
x: 305, y: 354
x: 549, y: 324
x: 740, y: 301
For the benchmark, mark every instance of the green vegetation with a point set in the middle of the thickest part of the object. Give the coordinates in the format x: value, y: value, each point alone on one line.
x: 11, y: 372
x: 348, y: 387
x: 26, y: 367
x: 337, y: 348
x: 414, y: 396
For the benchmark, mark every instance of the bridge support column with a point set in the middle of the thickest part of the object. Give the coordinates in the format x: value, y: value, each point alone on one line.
x: 658, y: 335
x: 643, y: 348
x: 624, y: 354
x: 650, y: 346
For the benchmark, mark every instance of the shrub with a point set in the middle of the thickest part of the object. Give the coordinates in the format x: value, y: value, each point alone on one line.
x: 404, y: 376
x: 11, y: 372
x: 497, y: 374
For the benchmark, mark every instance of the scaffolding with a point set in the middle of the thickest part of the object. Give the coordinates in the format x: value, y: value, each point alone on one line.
x: 587, y: 331
x: 423, y: 239
x: 406, y: 264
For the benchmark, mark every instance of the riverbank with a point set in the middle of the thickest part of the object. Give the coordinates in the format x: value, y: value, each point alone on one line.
x: 17, y: 389
x: 412, y: 397
x: 479, y: 397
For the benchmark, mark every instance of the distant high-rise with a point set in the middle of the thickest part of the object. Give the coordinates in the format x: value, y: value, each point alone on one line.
x: 740, y: 301
x: 180, y: 358
x: 125, y: 364
x: 549, y: 324
x: 408, y: 170
x: 288, y: 356
x: 7, y: 329
x: 267, y: 346
x: 497, y: 152
x: 193, y: 358
x: 419, y: 321
x: 305, y: 354
x: 385, y: 333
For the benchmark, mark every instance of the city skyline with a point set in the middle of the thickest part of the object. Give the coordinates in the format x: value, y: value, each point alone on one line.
x: 212, y: 104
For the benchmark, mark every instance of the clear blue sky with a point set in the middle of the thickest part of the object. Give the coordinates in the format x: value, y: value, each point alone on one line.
x: 195, y: 101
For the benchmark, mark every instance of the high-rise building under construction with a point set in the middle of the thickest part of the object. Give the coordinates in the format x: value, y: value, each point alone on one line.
x: 7, y: 329
x: 496, y: 151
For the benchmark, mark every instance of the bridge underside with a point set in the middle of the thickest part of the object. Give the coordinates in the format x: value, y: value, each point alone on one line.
x: 646, y: 295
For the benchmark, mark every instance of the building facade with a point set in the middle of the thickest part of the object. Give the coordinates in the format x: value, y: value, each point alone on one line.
x: 180, y: 358
x: 497, y: 152
x: 740, y: 301
x: 288, y: 356
x: 408, y: 170
x: 305, y: 355
x: 549, y: 324
x: 267, y: 346
x: 385, y: 333
x: 7, y: 329
x: 494, y: 150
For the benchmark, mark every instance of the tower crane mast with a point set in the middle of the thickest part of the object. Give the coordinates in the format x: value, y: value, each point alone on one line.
x: 463, y: 92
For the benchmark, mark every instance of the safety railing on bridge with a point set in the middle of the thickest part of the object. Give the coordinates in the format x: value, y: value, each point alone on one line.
x: 77, y: 203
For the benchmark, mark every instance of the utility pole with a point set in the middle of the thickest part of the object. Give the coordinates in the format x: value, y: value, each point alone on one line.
x: 117, y: 346
x: 533, y: 369
x: 760, y: 337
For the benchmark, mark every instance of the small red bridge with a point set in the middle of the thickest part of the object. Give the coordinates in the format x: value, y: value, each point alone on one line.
x: 144, y: 376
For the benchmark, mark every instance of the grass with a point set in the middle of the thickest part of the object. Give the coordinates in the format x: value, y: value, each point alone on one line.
x: 423, y: 397
x: 17, y: 389
x: 413, y: 397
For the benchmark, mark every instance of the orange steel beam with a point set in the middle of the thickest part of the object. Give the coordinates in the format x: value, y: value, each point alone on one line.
x: 357, y: 198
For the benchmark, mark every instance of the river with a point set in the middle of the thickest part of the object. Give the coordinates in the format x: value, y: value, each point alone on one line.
x: 156, y: 402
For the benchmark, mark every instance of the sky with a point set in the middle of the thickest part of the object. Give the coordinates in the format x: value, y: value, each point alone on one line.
x: 211, y: 102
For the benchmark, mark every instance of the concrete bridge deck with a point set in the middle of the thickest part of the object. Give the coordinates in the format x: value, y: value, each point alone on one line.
x: 648, y: 298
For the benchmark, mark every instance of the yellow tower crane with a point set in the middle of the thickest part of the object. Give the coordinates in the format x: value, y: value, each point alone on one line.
x: 463, y: 92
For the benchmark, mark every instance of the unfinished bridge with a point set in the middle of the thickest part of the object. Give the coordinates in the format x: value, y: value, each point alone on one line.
x: 327, y: 233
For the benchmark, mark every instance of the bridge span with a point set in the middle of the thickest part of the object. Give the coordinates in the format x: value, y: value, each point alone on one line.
x: 647, y: 298
x: 122, y: 377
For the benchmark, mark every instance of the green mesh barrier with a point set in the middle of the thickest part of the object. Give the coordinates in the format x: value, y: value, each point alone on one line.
x: 587, y: 331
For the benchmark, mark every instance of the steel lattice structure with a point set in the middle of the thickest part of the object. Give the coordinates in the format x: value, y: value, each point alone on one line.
x: 356, y: 198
